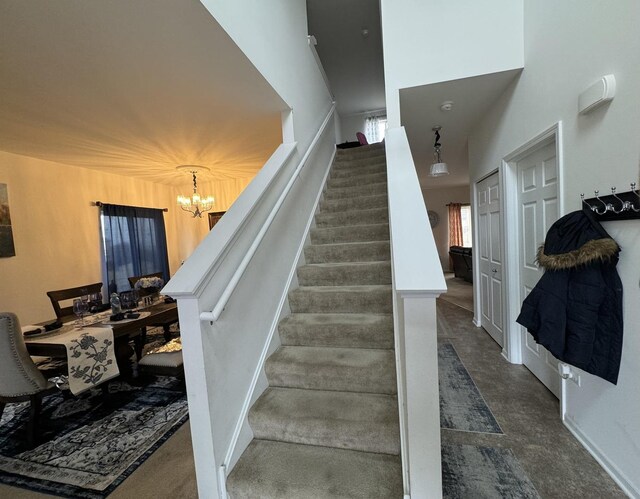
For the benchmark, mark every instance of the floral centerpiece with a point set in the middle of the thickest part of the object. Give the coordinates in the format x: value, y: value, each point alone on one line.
x: 147, y: 286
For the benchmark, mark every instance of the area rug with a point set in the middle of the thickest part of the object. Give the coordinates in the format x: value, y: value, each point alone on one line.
x: 90, y: 444
x: 483, y: 473
x: 461, y: 404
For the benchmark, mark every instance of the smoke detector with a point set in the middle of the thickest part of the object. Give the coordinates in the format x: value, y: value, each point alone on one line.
x: 446, y: 106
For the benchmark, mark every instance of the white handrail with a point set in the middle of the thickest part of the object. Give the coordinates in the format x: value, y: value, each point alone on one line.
x: 312, y: 44
x: 214, y: 315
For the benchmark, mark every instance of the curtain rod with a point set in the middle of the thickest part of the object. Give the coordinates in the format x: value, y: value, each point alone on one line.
x: 100, y: 203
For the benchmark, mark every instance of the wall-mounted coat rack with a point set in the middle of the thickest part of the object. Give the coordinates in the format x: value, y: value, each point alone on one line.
x: 622, y: 206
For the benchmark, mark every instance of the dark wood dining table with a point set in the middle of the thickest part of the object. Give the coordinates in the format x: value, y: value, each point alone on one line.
x: 123, y: 332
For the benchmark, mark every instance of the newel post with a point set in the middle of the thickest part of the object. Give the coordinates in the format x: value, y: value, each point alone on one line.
x: 422, y: 401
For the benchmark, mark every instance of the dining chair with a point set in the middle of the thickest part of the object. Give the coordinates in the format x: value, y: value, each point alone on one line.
x: 62, y: 295
x: 20, y: 379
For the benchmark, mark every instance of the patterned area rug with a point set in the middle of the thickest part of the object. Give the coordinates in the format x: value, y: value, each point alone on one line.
x: 90, y: 444
x: 483, y: 473
x: 461, y: 404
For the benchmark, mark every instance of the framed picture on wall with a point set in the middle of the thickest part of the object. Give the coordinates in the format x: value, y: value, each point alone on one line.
x: 214, y: 218
x: 6, y: 231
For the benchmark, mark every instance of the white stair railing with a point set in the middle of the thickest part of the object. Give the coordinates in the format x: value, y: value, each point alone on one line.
x: 417, y: 281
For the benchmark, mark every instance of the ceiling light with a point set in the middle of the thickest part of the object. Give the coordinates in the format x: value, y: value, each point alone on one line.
x: 195, y: 204
x: 439, y: 168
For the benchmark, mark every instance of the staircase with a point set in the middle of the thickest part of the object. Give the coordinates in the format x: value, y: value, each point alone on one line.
x: 327, y: 426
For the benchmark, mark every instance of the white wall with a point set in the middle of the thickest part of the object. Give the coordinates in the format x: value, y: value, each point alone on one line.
x: 273, y: 35
x: 428, y: 41
x: 350, y: 125
x: 568, y: 46
x: 56, y: 230
x: 437, y: 200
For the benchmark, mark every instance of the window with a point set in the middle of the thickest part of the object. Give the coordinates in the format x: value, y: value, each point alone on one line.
x: 465, y: 215
x: 376, y: 128
x: 134, y: 243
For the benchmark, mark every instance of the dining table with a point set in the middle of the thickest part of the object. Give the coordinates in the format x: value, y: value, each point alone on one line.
x: 56, y: 343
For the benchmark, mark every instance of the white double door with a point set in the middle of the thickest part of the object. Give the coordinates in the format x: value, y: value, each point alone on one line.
x: 537, y: 211
x: 490, y: 256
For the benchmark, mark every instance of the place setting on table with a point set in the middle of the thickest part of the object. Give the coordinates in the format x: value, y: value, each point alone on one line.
x: 96, y: 343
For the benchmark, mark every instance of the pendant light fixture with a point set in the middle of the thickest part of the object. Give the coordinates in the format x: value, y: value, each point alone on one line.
x: 195, y: 204
x: 439, y: 168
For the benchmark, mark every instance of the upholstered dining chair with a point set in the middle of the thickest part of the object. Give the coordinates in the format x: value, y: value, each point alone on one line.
x: 20, y: 379
x: 68, y: 294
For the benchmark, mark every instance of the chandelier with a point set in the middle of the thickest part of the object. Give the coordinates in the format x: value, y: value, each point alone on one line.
x: 195, y: 204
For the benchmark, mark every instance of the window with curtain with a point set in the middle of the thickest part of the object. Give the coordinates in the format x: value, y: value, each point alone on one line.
x: 134, y: 243
x: 460, y: 225
x: 375, y: 128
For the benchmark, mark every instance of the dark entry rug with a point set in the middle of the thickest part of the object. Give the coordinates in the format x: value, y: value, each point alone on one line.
x: 483, y: 473
x: 90, y: 444
x: 461, y: 404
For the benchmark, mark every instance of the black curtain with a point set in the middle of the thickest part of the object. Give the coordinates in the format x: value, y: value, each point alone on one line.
x: 135, y: 243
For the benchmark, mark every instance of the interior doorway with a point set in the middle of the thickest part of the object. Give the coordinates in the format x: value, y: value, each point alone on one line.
x: 490, y: 260
x: 533, y: 177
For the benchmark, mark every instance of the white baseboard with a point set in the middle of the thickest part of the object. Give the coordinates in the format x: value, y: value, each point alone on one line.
x: 613, y: 471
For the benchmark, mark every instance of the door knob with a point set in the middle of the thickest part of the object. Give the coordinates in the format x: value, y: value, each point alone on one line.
x: 494, y: 270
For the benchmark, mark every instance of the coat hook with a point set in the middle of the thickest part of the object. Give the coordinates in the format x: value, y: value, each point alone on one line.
x: 624, y: 205
x: 606, y: 206
x: 631, y: 205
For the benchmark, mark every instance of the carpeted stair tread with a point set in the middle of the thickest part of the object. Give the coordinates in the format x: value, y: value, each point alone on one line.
x: 344, y: 273
x: 355, y: 180
x: 350, y: 233
x: 278, y: 470
x: 364, y: 251
x: 367, y: 216
x: 359, y: 203
x: 337, y: 330
x: 355, y: 191
x: 342, y: 299
x: 327, y: 426
x: 356, y: 171
x: 328, y: 368
x: 366, y: 422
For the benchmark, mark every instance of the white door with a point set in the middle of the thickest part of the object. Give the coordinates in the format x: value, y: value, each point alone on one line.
x: 490, y: 255
x: 538, y: 209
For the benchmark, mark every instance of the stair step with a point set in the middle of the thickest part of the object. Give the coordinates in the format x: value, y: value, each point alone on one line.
x: 369, y: 216
x: 355, y: 164
x: 348, y: 252
x: 355, y: 180
x: 350, y: 234
x: 358, y: 170
x: 355, y: 191
x: 344, y: 273
x: 338, y: 369
x: 278, y: 470
x: 366, y: 422
x: 359, y: 203
x: 361, y: 152
x: 341, y: 299
x: 337, y: 330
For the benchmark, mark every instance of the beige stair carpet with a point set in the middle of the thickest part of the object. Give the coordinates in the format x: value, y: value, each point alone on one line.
x: 327, y: 426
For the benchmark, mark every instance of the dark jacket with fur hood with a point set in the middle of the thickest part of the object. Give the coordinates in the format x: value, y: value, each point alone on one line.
x: 575, y: 310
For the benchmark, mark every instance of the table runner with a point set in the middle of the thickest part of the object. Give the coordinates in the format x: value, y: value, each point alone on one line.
x: 90, y: 355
